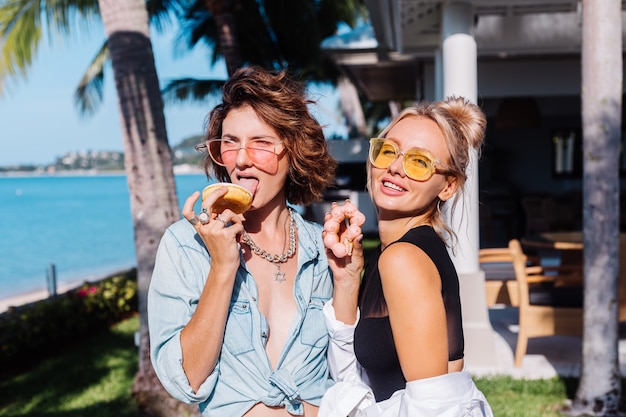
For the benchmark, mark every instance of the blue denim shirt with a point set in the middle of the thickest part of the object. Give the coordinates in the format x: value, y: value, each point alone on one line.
x: 243, y: 375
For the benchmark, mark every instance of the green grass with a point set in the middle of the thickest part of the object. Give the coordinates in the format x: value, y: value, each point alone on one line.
x: 511, y: 397
x: 94, y: 379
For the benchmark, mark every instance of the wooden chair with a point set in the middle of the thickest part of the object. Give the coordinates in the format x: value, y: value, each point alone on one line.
x: 570, y: 244
x: 500, y: 284
x: 550, y: 300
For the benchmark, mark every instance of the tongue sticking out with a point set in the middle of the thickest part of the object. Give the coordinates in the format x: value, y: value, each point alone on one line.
x: 249, y: 184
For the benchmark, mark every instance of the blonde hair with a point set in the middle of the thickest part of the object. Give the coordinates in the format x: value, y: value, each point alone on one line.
x: 463, y: 126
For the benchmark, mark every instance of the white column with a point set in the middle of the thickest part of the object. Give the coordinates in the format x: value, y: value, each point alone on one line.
x: 438, y: 74
x: 459, y: 64
x: 459, y: 68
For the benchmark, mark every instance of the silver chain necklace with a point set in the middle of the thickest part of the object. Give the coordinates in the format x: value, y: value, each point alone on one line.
x: 275, y: 259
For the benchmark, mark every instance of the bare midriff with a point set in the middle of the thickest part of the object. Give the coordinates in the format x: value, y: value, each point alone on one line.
x: 262, y: 410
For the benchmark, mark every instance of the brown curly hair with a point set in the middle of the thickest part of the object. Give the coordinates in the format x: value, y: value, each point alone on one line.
x: 280, y: 102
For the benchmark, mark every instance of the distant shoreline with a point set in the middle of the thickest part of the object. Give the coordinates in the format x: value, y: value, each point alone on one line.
x: 73, y: 173
x: 32, y: 296
x: 178, y: 170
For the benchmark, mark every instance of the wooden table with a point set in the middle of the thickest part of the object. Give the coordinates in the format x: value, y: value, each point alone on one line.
x: 555, y: 240
x: 568, y: 245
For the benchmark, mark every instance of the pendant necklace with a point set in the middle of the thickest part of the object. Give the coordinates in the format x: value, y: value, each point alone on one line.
x: 279, y: 275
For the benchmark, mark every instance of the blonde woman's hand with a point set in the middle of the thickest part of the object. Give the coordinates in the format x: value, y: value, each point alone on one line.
x: 343, y: 239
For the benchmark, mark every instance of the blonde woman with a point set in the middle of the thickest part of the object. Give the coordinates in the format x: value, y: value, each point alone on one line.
x: 397, y: 336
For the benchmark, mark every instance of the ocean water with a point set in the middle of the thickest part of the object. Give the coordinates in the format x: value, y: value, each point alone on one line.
x: 81, y: 224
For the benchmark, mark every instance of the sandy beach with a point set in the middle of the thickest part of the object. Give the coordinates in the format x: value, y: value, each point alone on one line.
x: 62, y: 287
x: 32, y: 296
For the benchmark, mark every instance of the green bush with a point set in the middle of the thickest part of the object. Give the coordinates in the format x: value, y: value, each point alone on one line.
x: 35, y: 331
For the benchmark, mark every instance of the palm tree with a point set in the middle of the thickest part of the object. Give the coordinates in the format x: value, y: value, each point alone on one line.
x: 148, y: 160
x: 273, y: 34
x: 599, y: 390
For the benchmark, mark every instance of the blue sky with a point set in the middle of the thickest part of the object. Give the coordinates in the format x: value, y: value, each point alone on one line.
x: 39, y: 122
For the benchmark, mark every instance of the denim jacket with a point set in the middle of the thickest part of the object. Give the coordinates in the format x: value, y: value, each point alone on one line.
x: 243, y: 375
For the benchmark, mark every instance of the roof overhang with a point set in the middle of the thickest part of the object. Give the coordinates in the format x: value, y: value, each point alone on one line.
x: 410, y: 26
x: 384, y: 57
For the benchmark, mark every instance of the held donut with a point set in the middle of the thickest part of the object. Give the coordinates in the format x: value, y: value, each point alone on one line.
x: 337, y: 217
x: 237, y: 199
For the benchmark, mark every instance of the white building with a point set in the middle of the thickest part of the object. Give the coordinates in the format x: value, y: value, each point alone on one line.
x: 520, y: 60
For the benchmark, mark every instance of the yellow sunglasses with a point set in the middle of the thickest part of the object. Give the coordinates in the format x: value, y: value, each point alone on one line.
x: 418, y: 164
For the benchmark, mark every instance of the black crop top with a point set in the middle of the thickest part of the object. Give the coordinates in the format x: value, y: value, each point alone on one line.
x: 373, y: 341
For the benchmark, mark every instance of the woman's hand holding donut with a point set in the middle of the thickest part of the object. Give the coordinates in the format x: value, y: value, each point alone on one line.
x: 342, y: 226
x: 220, y: 233
x: 343, y: 237
x: 343, y: 240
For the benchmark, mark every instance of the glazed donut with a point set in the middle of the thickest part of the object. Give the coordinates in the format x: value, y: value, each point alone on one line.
x: 334, y: 221
x: 237, y: 199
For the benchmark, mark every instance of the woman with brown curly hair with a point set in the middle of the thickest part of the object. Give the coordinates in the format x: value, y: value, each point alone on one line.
x: 235, y: 302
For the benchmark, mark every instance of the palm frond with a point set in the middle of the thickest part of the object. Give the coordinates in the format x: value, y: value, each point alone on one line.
x: 90, y: 90
x: 62, y: 15
x: 2, y: 76
x: 190, y: 90
x: 195, y: 26
x: 21, y: 27
x: 20, y: 33
x: 161, y: 12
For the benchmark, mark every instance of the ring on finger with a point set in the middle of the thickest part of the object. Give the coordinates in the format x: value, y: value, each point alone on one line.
x: 204, y: 217
x: 194, y: 220
x: 222, y: 220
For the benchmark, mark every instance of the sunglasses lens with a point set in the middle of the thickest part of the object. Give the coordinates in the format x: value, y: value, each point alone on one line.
x: 261, y: 151
x: 418, y: 165
x: 225, y: 152
x: 382, y: 153
x: 215, y: 151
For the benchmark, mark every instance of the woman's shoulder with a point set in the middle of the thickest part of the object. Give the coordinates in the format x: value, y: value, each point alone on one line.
x: 413, y: 251
x: 420, y: 233
x: 407, y: 268
x: 403, y: 253
x: 181, y: 227
x: 419, y: 238
x: 182, y: 232
x: 426, y: 238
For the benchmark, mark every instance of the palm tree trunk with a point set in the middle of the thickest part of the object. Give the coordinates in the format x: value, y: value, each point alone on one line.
x: 148, y: 165
x: 222, y: 11
x: 351, y: 108
x: 599, y: 389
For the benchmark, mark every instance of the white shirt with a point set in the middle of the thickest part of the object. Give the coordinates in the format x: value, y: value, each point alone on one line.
x: 449, y: 395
